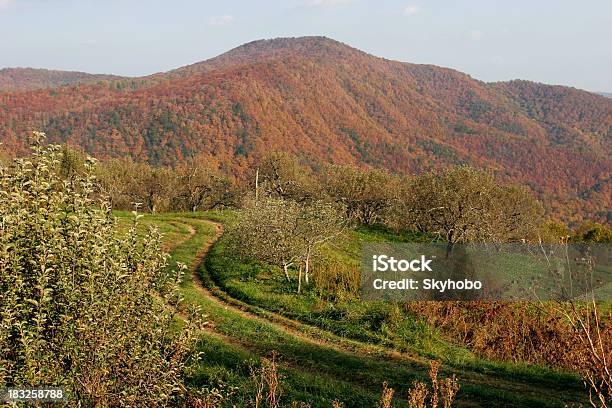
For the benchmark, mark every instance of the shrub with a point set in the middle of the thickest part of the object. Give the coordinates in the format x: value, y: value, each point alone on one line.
x: 548, y: 334
x: 80, y: 306
x: 280, y: 175
x: 510, y: 331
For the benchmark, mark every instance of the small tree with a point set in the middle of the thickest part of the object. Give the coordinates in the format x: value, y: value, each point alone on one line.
x: 199, y: 186
x: 72, y: 162
x: 513, y: 215
x: 318, y: 223
x: 553, y: 231
x: 280, y: 175
x: 267, y: 231
x: 127, y: 183
x: 593, y: 232
x: 152, y: 183
x: 285, y: 233
x: 5, y: 157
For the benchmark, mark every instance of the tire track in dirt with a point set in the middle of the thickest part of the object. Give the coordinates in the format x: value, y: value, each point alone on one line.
x: 209, y: 329
x: 318, y: 337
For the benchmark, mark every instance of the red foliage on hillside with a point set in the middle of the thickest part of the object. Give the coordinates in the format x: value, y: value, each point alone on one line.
x: 323, y: 100
x: 21, y: 79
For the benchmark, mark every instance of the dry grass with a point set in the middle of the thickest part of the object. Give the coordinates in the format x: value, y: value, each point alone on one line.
x: 423, y: 396
x: 564, y: 335
x: 386, y: 398
x: 267, y: 383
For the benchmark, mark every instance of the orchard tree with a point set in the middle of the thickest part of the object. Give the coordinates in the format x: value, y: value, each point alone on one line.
x: 366, y: 195
x: 285, y: 233
x: 553, y: 231
x: 513, y: 215
x: 128, y: 183
x: 72, y: 162
x: 267, y: 231
x: 318, y: 223
x: 198, y: 186
x: 152, y: 185
x: 593, y: 232
x: 5, y: 158
x: 466, y: 205
x: 280, y: 175
x: 113, y: 179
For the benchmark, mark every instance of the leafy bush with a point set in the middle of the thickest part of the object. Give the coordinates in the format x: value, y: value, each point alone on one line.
x: 81, y: 306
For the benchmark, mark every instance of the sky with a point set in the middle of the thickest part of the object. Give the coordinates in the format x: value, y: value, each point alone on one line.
x: 550, y: 41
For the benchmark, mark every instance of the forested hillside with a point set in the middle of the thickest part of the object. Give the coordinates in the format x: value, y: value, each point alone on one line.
x: 324, y: 100
x: 21, y: 79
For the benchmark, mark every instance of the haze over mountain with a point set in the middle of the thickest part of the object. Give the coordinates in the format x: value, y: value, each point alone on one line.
x: 327, y: 101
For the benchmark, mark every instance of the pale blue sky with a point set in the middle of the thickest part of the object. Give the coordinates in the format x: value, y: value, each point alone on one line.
x: 558, y: 42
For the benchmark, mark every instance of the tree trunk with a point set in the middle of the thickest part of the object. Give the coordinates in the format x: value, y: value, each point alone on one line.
x: 256, y: 184
x: 307, y: 263
x: 299, y: 280
x: 286, y: 269
x: 449, y: 248
x: 450, y: 243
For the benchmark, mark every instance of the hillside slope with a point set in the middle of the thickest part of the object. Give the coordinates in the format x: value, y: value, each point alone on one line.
x: 322, y: 99
x: 24, y: 79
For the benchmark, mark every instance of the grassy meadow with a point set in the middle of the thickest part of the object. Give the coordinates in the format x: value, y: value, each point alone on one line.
x: 330, y: 345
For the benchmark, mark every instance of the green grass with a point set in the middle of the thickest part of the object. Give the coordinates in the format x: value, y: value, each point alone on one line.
x: 371, y: 322
x: 317, y: 373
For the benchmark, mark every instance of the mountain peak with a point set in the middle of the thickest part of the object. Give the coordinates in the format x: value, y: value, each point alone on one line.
x: 316, y: 47
x: 307, y: 43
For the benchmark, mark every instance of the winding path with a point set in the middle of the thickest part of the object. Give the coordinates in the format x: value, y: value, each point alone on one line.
x: 319, y: 338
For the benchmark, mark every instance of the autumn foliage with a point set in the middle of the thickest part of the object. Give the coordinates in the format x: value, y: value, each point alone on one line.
x: 328, y: 102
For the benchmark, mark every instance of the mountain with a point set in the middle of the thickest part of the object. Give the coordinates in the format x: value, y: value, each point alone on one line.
x: 606, y: 94
x: 324, y: 100
x: 20, y: 79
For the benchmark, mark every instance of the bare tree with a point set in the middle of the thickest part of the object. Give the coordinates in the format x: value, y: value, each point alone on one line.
x: 280, y: 175
x: 197, y: 185
x: 267, y: 231
x: 127, y: 183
